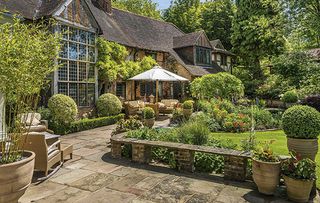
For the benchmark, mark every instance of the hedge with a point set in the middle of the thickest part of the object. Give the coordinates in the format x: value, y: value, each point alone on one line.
x: 84, y: 124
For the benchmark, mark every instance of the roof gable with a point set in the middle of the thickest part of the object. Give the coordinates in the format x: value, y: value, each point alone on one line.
x: 192, y: 39
x: 217, y: 44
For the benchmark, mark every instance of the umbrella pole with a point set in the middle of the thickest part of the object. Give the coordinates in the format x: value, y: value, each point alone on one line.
x: 157, y: 91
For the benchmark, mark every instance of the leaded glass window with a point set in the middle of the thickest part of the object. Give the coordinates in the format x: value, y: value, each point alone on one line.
x: 76, y: 74
x: 203, y: 56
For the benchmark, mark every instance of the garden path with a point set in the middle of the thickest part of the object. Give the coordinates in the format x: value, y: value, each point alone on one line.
x: 93, y: 176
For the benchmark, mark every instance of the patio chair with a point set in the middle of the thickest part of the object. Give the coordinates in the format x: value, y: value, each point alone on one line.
x: 33, y: 122
x: 166, y: 106
x: 46, y: 156
x: 133, y: 107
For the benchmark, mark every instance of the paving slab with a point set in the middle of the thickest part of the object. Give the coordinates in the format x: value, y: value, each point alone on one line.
x: 106, y: 195
x: 71, y: 176
x: 67, y: 195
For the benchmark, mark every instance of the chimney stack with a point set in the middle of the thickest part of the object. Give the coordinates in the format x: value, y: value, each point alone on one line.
x: 105, y: 5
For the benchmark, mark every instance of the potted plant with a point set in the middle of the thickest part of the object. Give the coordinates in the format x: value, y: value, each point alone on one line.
x: 266, y: 170
x: 187, y: 107
x: 299, y: 175
x: 27, y: 56
x: 301, y: 124
x: 148, y: 117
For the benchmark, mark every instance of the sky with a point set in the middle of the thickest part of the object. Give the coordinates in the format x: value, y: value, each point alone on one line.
x: 163, y: 4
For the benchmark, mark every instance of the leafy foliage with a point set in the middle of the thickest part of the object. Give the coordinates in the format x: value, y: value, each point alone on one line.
x: 187, y: 104
x: 141, y: 7
x: 265, y: 154
x: 112, y: 63
x: 313, y: 101
x: 148, y: 113
x: 297, y: 168
x: 193, y: 133
x: 301, y: 122
x: 26, y: 59
x: 290, y: 96
x: 63, y: 109
x: 124, y: 125
x: 223, y: 85
x: 108, y: 105
x: 261, y: 18
x: 177, y: 116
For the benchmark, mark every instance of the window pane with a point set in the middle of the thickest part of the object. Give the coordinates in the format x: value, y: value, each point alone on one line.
x: 91, y: 75
x: 73, y: 71
x: 82, y: 95
x: 64, y: 31
x: 91, y: 54
x: 82, y: 36
x: 82, y: 52
x: 73, y: 34
x: 120, y: 89
x: 91, y: 38
x: 73, y: 52
x: 63, y: 88
x: 64, y: 50
x: 73, y: 91
x: 63, y: 71
x: 91, y: 94
x: 82, y: 71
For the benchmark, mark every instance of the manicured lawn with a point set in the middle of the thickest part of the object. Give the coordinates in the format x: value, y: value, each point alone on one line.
x: 279, y: 146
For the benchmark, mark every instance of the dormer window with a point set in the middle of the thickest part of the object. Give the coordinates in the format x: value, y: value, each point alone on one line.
x: 203, y: 56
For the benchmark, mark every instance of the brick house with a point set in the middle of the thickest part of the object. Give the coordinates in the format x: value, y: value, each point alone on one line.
x: 189, y: 55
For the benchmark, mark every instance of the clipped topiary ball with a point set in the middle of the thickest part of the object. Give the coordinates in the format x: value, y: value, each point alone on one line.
x: 301, y: 122
x: 63, y: 108
x: 187, y: 104
x: 108, y: 105
x: 290, y: 97
x: 148, y: 113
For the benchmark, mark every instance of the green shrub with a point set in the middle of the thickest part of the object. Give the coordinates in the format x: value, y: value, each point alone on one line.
x: 84, y: 124
x: 204, y: 105
x: 63, y: 108
x: 123, y: 125
x: 108, y: 105
x: 265, y: 154
x: 148, y: 113
x: 45, y: 113
x: 263, y: 119
x: 177, y: 116
x: 301, y: 122
x: 236, y: 123
x: 290, y: 97
x: 187, y: 104
x: 193, y: 133
x: 206, y: 119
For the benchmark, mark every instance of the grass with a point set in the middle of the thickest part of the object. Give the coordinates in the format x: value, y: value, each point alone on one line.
x: 279, y: 146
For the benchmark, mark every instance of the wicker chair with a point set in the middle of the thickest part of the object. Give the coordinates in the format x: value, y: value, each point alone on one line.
x: 133, y: 107
x: 46, y: 156
x: 166, y: 106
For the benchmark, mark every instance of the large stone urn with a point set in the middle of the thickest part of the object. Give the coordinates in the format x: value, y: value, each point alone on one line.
x: 307, y: 148
x: 149, y: 122
x: 266, y: 175
x: 15, y: 178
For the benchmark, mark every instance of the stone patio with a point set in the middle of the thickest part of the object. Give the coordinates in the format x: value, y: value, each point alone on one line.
x: 93, y: 176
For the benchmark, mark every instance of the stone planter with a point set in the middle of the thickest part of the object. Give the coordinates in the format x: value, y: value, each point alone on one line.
x: 16, y: 177
x: 266, y: 175
x: 149, y: 122
x: 187, y: 112
x: 307, y: 148
x: 298, y: 190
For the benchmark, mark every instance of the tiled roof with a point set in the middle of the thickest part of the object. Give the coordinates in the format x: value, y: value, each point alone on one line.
x: 31, y: 9
x: 186, y: 40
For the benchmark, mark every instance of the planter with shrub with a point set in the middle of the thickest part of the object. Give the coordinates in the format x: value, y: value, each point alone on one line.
x: 108, y: 105
x: 301, y: 124
x: 148, y: 115
x: 299, y: 176
x: 266, y: 170
x: 187, y: 107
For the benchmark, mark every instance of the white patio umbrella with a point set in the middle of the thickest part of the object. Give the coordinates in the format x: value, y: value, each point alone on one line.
x: 158, y: 74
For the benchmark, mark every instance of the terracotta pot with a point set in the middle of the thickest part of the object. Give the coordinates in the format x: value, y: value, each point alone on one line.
x: 16, y: 177
x: 307, y: 148
x: 187, y: 112
x: 149, y: 122
x: 298, y: 190
x: 266, y: 175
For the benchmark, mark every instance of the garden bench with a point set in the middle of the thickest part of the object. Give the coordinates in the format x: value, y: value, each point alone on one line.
x: 235, y: 162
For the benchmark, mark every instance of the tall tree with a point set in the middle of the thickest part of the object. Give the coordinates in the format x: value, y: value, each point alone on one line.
x: 142, y: 7
x: 185, y: 14
x: 258, y: 32
x: 217, y: 20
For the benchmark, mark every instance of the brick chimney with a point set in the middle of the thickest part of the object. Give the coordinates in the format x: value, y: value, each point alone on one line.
x: 105, y: 5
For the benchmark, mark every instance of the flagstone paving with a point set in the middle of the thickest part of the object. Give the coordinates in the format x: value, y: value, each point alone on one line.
x: 93, y: 176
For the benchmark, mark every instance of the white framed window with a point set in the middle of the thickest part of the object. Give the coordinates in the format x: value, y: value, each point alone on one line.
x: 76, y: 75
